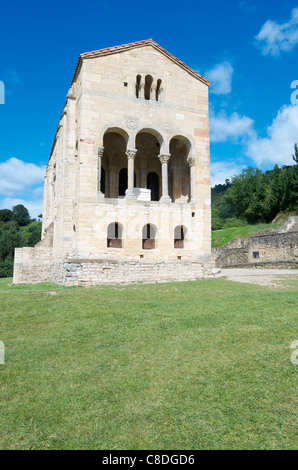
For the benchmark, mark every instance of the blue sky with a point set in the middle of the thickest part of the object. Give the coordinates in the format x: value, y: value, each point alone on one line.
x: 248, y: 49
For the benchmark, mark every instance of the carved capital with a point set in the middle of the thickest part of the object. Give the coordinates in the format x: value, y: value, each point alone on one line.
x: 100, y: 151
x: 164, y: 158
x: 131, y: 154
x: 191, y: 161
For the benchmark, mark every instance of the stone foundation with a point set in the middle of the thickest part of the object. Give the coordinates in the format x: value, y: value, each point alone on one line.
x: 80, y: 272
x: 33, y: 266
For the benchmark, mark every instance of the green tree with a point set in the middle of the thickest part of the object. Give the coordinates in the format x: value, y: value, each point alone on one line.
x: 216, y: 220
x: 21, y: 215
x: 6, y: 268
x: 259, y: 197
x: 31, y: 233
x: 219, y: 201
x: 10, y: 238
x: 246, y: 193
x: 6, y: 215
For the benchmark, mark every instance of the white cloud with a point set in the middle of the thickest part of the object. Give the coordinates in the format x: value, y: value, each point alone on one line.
x: 277, y: 147
x: 233, y: 127
x: 220, y: 171
x: 21, y: 183
x: 220, y: 77
x: 275, y: 38
x: 34, y: 206
x: 16, y: 176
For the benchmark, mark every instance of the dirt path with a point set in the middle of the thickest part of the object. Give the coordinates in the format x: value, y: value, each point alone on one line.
x: 262, y: 277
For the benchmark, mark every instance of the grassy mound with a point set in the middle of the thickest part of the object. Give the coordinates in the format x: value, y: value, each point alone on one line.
x: 221, y: 237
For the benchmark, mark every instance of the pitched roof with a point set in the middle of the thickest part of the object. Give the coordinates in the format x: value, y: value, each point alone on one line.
x: 133, y: 45
x: 126, y: 47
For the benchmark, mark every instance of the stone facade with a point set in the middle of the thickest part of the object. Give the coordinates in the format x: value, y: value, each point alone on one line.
x: 127, y: 186
x: 268, y: 248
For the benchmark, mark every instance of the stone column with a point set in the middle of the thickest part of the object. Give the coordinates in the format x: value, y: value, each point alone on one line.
x: 100, y: 155
x: 153, y: 93
x: 164, y: 158
x: 142, y: 91
x: 192, y: 164
x: 130, y: 173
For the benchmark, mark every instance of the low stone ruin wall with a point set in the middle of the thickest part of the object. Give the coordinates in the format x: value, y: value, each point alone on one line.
x: 264, y: 248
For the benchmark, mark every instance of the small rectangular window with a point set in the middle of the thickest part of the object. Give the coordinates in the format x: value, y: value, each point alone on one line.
x: 256, y: 255
x: 125, y: 83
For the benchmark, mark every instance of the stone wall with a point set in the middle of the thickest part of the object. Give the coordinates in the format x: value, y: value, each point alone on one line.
x: 105, y: 128
x: 88, y: 272
x: 266, y: 247
x: 33, y: 265
x: 101, y: 121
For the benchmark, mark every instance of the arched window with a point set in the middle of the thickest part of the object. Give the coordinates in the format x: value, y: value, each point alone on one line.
x: 103, y: 180
x: 148, y: 85
x: 153, y: 185
x: 148, y: 237
x: 138, y: 85
x: 179, y: 170
x: 179, y: 234
x: 114, y: 238
x: 157, y: 89
x: 114, y: 158
x: 123, y: 181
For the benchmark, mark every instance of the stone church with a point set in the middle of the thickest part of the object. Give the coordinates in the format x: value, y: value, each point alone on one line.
x: 127, y: 185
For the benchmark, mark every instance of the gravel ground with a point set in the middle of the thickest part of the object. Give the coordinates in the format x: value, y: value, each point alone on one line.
x: 262, y: 277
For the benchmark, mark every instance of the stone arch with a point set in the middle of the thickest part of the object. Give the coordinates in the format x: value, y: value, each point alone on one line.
x: 148, y: 87
x: 153, y: 131
x: 179, y: 170
x: 183, y: 140
x: 179, y: 236
x: 114, y: 158
x: 138, y: 85
x: 158, y: 90
x: 148, y: 237
x: 148, y: 143
x: 118, y: 129
x: 114, y: 235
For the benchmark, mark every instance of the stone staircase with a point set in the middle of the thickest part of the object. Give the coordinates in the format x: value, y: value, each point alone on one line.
x: 291, y: 225
x: 47, y: 240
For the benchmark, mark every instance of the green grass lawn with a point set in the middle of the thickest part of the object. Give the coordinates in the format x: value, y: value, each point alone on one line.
x: 221, y: 237
x: 197, y: 365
